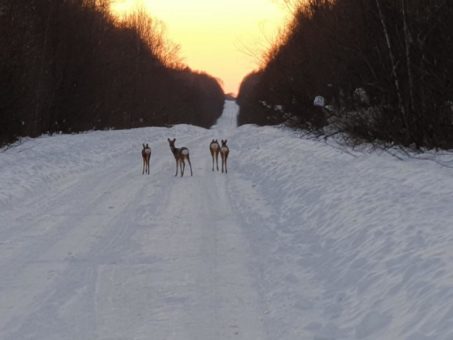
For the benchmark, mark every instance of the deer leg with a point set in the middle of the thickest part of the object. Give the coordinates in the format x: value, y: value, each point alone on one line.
x: 176, y: 174
x: 216, y: 161
x: 212, y: 155
x: 223, y: 161
x: 226, y: 159
x: 190, y: 164
x: 143, y: 169
x: 183, y: 166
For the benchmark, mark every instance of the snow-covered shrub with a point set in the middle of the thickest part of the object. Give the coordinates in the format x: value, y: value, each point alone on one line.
x: 319, y: 101
x: 361, y: 96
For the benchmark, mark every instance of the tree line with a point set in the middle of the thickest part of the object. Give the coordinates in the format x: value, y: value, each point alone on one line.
x: 68, y: 66
x: 382, y: 71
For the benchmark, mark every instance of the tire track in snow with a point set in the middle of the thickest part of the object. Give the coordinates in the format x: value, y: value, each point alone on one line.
x: 76, y: 236
x: 205, y: 291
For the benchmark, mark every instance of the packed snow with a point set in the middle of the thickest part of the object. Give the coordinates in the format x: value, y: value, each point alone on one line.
x: 302, y: 239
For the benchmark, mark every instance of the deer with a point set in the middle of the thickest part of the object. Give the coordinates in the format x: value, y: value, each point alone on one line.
x: 181, y: 155
x: 224, y: 151
x: 146, y: 155
x: 214, y: 147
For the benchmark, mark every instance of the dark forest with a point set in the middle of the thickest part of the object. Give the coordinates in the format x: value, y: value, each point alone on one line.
x: 67, y: 66
x: 384, y: 69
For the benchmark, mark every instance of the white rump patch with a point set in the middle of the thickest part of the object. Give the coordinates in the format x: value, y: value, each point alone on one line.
x: 148, y: 151
x: 224, y: 149
x: 214, y: 146
x: 185, y: 152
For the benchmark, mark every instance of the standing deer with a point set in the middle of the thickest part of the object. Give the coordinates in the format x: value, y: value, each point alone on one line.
x: 224, y: 151
x: 146, y: 155
x: 214, y: 147
x: 181, y: 154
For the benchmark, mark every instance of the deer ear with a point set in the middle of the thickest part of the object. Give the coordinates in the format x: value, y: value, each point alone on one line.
x: 168, y: 139
x: 143, y: 145
x: 226, y: 140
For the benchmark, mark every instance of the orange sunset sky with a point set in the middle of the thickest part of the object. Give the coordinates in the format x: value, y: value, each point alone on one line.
x: 225, y: 38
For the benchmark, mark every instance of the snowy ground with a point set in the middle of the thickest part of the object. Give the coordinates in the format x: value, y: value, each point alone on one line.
x: 301, y: 240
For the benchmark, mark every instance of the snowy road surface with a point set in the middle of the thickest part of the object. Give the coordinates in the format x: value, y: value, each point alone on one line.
x: 301, y: 240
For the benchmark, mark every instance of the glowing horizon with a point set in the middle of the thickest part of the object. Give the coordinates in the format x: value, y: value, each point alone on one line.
x: 216, y: 37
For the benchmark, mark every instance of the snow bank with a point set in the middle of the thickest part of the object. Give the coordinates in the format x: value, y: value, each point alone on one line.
x: 348, y: 245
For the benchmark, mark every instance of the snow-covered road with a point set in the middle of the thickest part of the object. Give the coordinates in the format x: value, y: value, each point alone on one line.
x: 301, y: 240
x: 106, y: 253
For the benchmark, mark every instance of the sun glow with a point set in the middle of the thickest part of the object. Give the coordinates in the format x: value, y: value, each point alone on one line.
x: 225, y: 38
